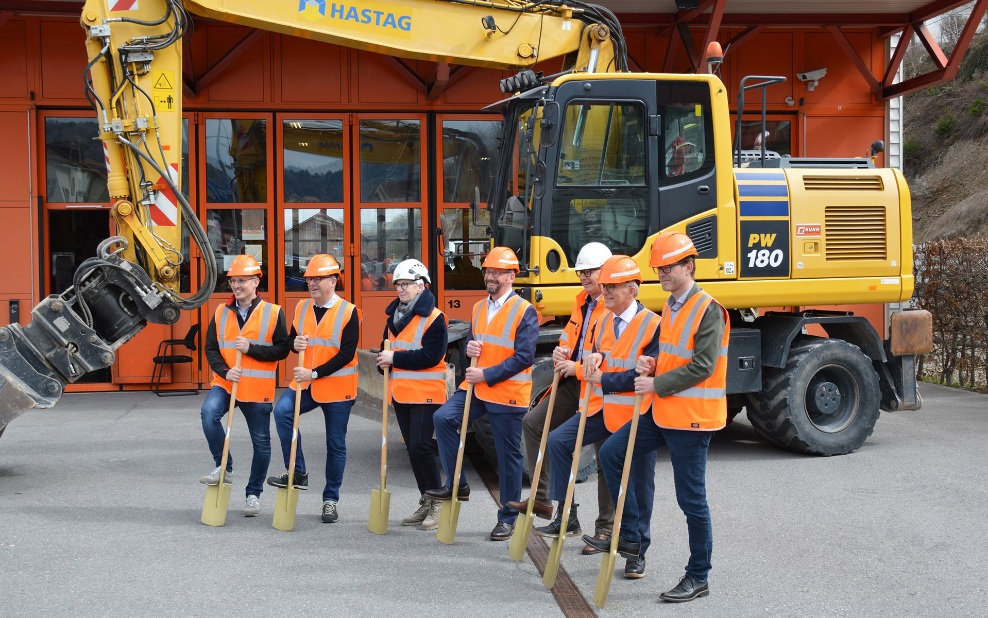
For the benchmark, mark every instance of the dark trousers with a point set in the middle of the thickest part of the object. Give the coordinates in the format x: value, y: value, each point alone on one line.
x: 415, y: 422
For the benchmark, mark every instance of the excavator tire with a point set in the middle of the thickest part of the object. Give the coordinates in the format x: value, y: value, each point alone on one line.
x: 824, y: 402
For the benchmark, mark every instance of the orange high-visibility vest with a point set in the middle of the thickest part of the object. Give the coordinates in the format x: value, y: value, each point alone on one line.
x: 324, y: 344
x: 571, y: 334
x: 498, y: 338
x: 419, y: 386
x: 704, y: 406
x: 621, y: 354
x: 257, y: 378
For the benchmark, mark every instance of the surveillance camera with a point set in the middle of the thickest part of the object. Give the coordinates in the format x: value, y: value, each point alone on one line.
x: 812, y: 76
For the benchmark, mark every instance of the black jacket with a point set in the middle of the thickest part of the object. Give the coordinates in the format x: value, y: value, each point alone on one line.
x: 434, y: 340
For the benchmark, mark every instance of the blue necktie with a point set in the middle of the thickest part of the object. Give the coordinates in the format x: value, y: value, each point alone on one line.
x: 617, y: 326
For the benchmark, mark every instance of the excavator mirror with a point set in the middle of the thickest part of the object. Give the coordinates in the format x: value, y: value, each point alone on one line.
x: 549, y: 124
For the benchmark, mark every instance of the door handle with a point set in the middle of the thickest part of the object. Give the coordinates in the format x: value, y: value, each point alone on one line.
x: 703, y: 189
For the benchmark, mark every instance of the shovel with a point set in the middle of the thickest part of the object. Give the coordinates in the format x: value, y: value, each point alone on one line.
x: 286, y: 501
x: 217, y: 501
x: 556, y: 552
x: 609, y: 560
x: 380, y: 503
x: 450, y: 513
x: 523, y: 525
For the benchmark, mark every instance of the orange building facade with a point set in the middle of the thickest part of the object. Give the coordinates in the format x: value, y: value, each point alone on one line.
x: 296, y: 147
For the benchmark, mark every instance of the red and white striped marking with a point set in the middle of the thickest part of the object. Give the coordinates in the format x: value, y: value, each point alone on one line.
x: 123, y: 5
x: 106, y: 158
x: 164, y: 211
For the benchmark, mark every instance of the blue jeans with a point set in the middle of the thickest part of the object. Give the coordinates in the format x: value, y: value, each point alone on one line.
x: 688, y: 452
x: 505, y: 425
x: 337, y: 415
x: 258, y: 417
x: 562, y: 443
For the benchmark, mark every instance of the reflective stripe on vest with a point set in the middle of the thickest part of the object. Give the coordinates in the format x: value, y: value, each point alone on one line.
x: 702, y: 407
x: 421, y: 386
x: 257, y: 378
x: 499, y: 345
x: 621, y: 355
x: 324, y: 343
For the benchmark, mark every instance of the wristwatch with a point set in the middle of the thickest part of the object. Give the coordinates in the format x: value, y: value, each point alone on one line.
x: 314, y: 374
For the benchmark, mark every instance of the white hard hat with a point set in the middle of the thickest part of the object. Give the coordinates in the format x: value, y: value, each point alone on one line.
x: 412, y: 270
x: 592, y: 255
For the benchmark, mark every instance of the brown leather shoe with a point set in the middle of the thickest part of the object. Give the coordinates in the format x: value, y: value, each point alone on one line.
x: 590, y: 550
x: 541, y: 508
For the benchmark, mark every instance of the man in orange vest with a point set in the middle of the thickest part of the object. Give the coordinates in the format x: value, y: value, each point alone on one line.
x: 567, y: 358
x: 328, y: 329
x: 689, y: 404
x: 626, y: 331
x: 257, y: 329
x: 503, y: 334
x: 418, y: 335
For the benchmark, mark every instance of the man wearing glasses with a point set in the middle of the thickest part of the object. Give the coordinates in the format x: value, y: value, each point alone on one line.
x: 568, y: 360
x: 689, y: 404
x: 328, y: 329
x: 626, y: 331
x: 503, y: 333
x: 257, y: 329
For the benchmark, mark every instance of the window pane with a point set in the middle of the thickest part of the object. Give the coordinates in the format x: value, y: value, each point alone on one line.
x: 466, y: 246
x: 603, y: 145
x: 236, y: 160
x: 307, y: 233
x: 390, y: 166
x: 74, y: 162
x: 387, y: 236
x: 469, y: 149
x: 313, y: 160
x: 687, y: 130
x: 236, y: 232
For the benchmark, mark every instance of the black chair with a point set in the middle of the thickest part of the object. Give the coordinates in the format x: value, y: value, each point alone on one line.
x: 164, y: 358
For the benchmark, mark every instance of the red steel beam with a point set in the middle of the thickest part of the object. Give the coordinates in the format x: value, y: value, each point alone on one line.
x: 228, y: 59
x: 860, y: 64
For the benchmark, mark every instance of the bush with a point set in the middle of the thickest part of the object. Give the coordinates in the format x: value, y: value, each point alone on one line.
x: 977, y: 107
x: 945, y: 124
x: 950, y: 277
x: 911, y: 148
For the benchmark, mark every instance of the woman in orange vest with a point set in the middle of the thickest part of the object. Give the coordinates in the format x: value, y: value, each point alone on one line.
x: 328, y: 329
x: 503, y: 335
x: 257, y: 329
x: 417, y: 332
x: 689, y: 403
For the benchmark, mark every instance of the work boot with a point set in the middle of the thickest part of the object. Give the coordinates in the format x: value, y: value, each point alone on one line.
x: 431, y: 521
x: 213, y: 478
x: 301, y: 480
x: 329, y: 514
x: 416, y: 518
x: 252, y: 507
x: 552, y: 530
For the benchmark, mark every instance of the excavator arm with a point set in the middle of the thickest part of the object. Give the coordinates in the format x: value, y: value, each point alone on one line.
x: 133, y: 80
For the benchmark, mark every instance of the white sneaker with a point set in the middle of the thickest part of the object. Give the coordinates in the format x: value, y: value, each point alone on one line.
x: 213, y: 478
x: 253, y: 506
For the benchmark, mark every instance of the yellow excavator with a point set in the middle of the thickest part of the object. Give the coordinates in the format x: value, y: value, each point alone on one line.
x: 593, y: 152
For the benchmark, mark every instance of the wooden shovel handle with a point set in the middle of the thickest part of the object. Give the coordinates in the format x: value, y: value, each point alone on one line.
x: 625, y: 473
x: 545, y: 438
x: 463, y: 434
x: 384, y: 420
x: 298, y: 407
x: 229, y: 422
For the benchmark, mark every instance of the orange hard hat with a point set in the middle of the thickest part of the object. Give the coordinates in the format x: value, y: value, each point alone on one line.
x: 244, y: 266
x: 670, y: 248
x: 322, y: 265
x: 619, y: 269
x: 502, y: 258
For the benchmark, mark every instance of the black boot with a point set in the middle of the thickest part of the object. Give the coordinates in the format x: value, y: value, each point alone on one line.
x: 552, y: 530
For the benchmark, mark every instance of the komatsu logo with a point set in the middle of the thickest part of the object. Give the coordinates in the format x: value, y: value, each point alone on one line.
x: 314, y: 10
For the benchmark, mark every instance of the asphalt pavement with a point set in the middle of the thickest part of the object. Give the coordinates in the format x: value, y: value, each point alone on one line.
x: 100, y: 505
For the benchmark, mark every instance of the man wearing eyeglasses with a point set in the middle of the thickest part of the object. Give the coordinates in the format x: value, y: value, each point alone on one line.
x: 568, y: 361
x: 689, y: 404
x: 503, y: 333
x: 328, y: 329
x: 626, y: 331
x: 256, y: 329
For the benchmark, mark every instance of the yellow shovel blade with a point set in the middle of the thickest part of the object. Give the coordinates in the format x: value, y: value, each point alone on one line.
x: 285, y: 505
x: 448, y: 517
x: 552, y: 564
x: 519, y: 538
x: 379, y: 508
x: 216, y: 504
x: 607, y: 563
